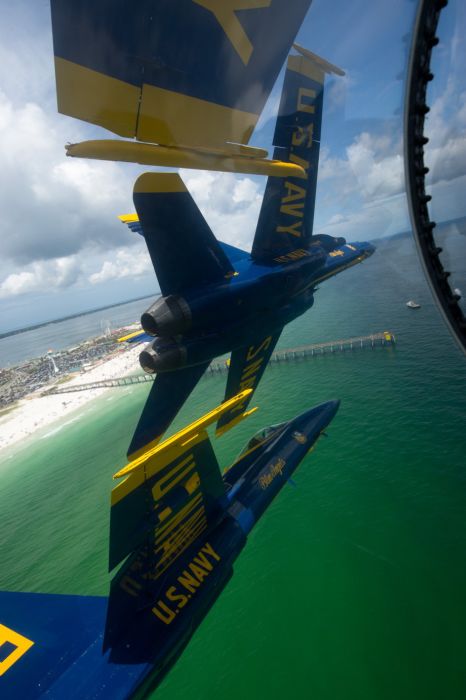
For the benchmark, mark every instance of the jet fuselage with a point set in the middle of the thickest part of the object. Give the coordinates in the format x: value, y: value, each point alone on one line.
x: 173, y: 606
x: 256, y: 301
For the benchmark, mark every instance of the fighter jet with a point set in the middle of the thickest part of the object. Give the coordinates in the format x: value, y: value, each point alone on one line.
x: 178, y: 526
x: 185, y: 84
x: 217, y: 298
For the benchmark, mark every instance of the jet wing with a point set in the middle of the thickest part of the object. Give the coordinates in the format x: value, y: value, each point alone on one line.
x: 247, y: 365
x: 168, y: 393
x: 190, y: 72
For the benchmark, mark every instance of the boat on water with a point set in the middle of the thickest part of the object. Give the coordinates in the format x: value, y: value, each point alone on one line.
x: 412, y: 304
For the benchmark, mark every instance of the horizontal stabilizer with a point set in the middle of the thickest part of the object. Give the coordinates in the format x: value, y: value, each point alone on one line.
x: 183, y: 249
x: 174, y: 157
x: 247, y: 365
x: 191, y: 72
x: 344, y: 257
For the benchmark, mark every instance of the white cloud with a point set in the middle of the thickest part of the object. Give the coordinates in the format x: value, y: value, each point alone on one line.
x: 53, y: 207
x: 230, y: 204
x: 373, y: 168
x: 59, y: 220
x: 125, y: 264
x: 43, y: 275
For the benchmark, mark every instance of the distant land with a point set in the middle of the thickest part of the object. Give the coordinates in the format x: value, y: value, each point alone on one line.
x: 76, y: 315
x: 441, y: 228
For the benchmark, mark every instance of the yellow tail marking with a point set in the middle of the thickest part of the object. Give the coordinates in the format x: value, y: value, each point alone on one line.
x: 21, y: 643
x: 225, y: 15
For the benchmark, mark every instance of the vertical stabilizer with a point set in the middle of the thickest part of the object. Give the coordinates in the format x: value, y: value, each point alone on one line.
x: 287, y: 213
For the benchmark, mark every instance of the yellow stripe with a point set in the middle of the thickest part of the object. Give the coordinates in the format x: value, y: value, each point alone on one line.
x: 326, y: 66
x: 300, y: 65
x: 130, y: 335
x: 159, y: 182
x: 186, y: 511
x: 130, y: 484
x: 96, y: 98
x: 225, y: 428
x: 181, y: 157
x: 174, y: 445
x: 153, y: 465
x: 172, y: 118
x: 357, y: 260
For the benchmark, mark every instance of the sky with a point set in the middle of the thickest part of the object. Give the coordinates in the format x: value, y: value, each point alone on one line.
x: 62, y: 247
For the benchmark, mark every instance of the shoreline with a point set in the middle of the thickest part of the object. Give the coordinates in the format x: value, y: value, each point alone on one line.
x: 37, y: 411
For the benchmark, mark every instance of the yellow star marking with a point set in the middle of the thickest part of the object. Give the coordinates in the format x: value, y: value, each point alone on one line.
x: 224, y: 11
x: 21, y: 643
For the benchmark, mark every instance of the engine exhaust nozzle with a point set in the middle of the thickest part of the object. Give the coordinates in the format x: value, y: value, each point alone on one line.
x: 163, y: 357
x: 167, y: 316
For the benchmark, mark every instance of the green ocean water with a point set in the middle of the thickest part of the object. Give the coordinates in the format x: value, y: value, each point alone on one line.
x: 353, y: 584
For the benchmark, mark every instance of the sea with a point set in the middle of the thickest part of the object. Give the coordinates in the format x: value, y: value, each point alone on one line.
x: 353, y: 584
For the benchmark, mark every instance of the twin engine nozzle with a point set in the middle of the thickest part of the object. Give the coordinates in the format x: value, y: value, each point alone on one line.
x: 163, y: 355
x: 167, y: 317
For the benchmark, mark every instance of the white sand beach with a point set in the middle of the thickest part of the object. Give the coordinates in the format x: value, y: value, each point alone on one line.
x: 37, y: 411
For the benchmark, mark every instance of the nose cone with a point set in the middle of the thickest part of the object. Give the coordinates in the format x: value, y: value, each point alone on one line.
x: 312, y: 422
x: 325, y: 412
x: 367, y: 248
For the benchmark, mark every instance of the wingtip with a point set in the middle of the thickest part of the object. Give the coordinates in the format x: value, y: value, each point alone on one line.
x: 324, y: 65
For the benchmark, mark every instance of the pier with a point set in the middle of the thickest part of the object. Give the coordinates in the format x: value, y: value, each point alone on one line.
x: 385, y: 338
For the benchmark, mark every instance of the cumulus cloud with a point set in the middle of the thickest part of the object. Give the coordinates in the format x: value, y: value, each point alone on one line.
x: 59, y: 273
x: 52, y: 206
x: 373, y: 167
x: 230, y: 204
x: 125, y: 263
x: 445, y: 153
x: 363, y: 190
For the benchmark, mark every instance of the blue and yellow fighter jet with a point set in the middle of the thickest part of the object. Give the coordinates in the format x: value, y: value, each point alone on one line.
x: 178, y: 527
x: 185, y: 81
x: 218, y: 299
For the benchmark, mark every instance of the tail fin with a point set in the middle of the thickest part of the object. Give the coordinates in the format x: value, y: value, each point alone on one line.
x: 172, y: 494
x: 287, y: 213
